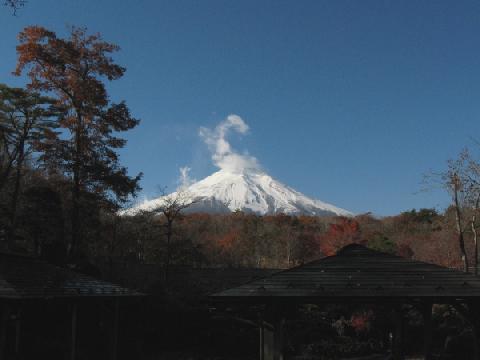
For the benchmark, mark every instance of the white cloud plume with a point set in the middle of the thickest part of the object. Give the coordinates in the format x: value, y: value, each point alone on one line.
x: 184, y: 181
x: 223, y: 155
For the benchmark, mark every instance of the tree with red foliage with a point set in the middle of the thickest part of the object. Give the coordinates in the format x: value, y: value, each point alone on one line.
x: 74, y: 70
x: 227, y: 241
x: 341, y: 233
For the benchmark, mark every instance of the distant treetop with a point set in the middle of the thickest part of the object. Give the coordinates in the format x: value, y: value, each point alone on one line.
x: 15, y: 5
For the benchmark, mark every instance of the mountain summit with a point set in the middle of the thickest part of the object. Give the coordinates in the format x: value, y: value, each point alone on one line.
x: 249, y: 191
x: 240, y: 184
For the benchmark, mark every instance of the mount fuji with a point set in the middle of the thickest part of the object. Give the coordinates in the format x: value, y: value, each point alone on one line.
x: 250, y: 191
x: 240, y: 184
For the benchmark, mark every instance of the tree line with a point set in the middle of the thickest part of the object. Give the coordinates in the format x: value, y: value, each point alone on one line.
x: 283, y: 241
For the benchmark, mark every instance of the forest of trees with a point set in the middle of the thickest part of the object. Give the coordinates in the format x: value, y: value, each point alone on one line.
x: 281, y: 241
x: 62, y: 184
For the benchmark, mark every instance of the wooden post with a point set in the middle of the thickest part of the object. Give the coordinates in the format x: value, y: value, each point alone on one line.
x: 267, y: 341
x: 273, y: 335
x: 18, y: 333
x: 73, y: 334
x: 471, y: 313
x: 279, y: 339
x: 474, y: 319
x: 427, y: 331
x: 114, y: 350
x: 262, y: 340
x: 4, y: 316
x: 397, y: 350
x: 476, y: 339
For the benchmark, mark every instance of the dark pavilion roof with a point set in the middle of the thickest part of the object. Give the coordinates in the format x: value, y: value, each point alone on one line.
x: 23, y: 277
x: 357, y: 272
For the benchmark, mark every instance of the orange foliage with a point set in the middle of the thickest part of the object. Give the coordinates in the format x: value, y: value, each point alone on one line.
x: 227, y: 241
x: 345, y: 231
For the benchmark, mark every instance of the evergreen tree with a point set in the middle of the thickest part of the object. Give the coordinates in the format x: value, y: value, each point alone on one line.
x: 27, y: 120
x: 74, y: 69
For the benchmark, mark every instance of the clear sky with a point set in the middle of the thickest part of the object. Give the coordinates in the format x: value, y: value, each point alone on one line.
x: 350, y: 102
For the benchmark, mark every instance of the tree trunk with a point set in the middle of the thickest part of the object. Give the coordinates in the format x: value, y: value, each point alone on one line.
x: 474, y: 231
x: 15, y: 195
x: 458, y: 220
x: 8, y: 168
x: 5, y: 175
x: 75, y: 215
x: 288, y: 252
x: 113, y: 244
x: 76, y: 190
x: 168, y: 255
x: 475, y: 259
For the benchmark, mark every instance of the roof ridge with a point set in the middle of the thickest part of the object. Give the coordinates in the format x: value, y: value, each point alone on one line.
x: 19, y: 254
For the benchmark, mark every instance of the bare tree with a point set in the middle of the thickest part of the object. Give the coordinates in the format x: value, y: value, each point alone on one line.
x: 470, y: 177
x: 455, y: 185
x: 171, y: 207
x: 462, y: 181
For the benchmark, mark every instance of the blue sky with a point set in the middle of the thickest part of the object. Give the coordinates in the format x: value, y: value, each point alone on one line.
x: 350, y: 102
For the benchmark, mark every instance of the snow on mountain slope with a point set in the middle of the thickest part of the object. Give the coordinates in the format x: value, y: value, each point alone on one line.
x: 250, y: 191
x: 240, y: 183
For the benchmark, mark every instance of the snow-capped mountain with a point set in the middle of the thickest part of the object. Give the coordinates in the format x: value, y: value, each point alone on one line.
x: 250, y: 191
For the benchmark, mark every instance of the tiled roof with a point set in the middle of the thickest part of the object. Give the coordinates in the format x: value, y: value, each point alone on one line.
x: 188, y: 280
x: 24, y: 277
x: 358, y: 272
